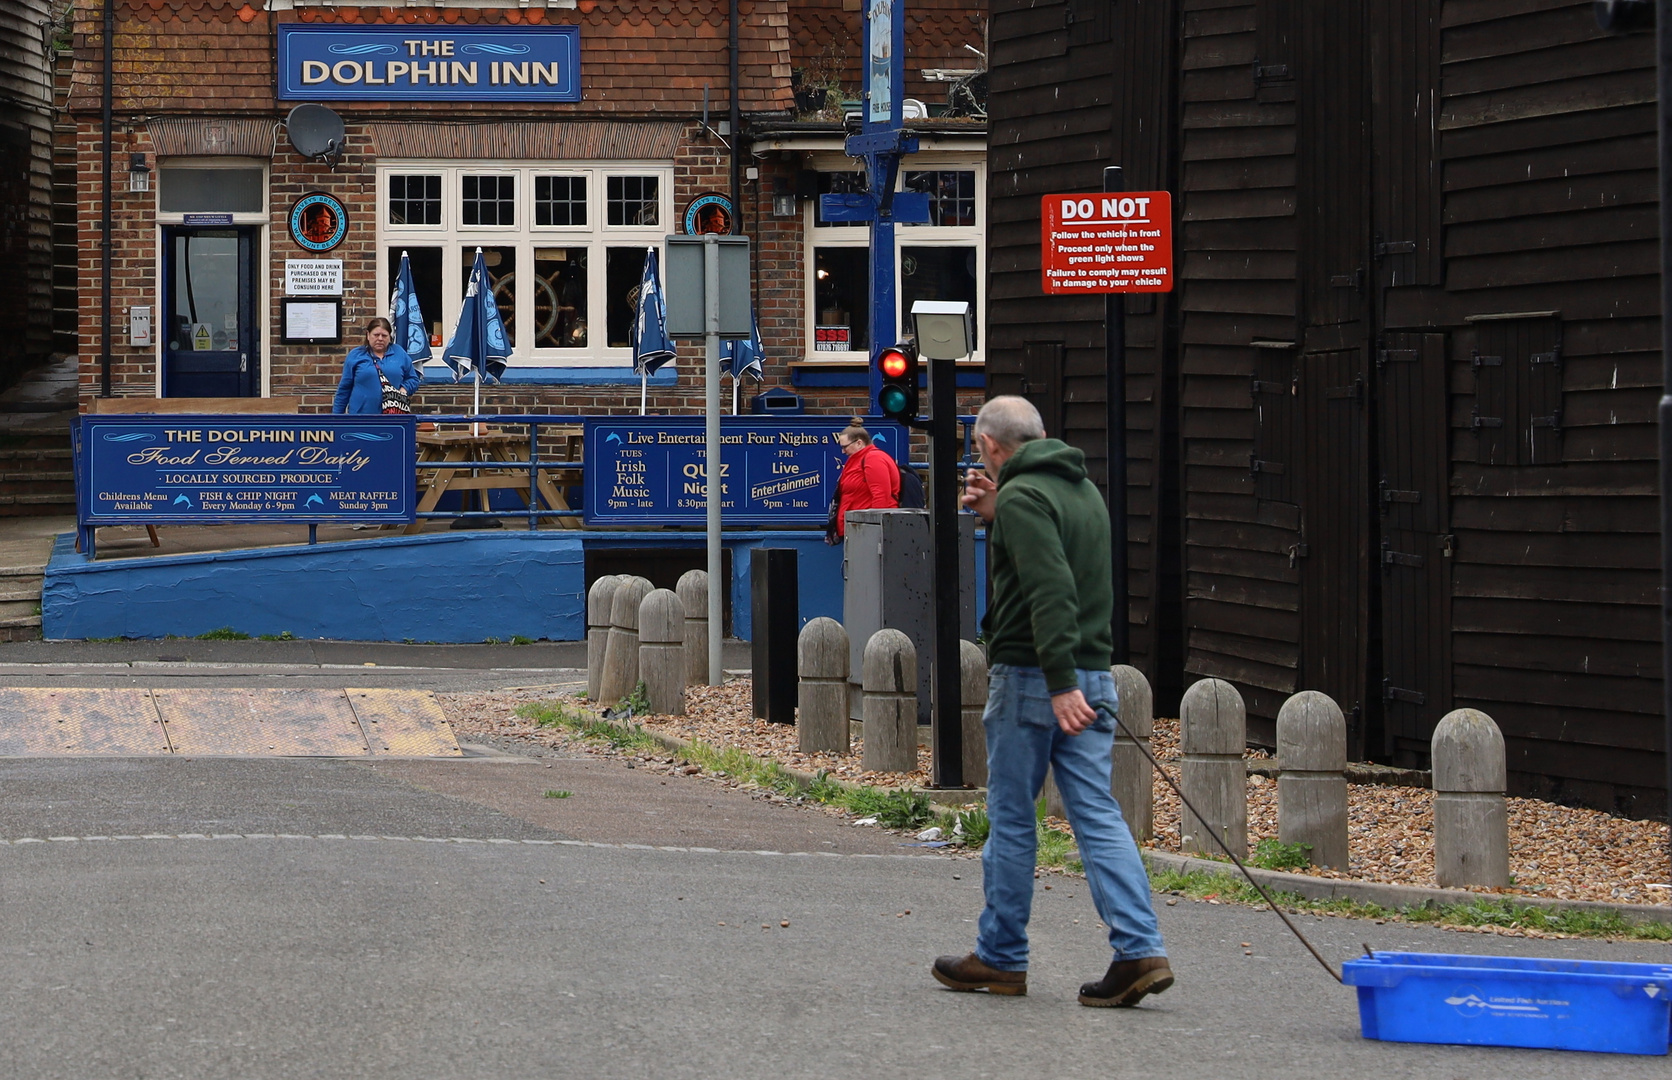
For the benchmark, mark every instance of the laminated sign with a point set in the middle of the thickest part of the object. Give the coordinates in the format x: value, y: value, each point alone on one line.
x: 1107, y: 242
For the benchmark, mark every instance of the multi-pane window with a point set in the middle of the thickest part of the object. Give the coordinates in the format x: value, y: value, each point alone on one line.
x: 489, y: 200
x: 633, y: 200
x: 560, y: 200
x: 564, y: 247
x: 414, y: 200
x: 941, y: 259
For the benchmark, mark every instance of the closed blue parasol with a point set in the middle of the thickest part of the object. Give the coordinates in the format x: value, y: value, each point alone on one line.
x: 405, y: 316
x: 479, y: 345
x: 743, y: 356
x: 651, y: 346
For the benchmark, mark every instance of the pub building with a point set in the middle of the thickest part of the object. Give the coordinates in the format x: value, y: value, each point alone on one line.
x: 562, y: 137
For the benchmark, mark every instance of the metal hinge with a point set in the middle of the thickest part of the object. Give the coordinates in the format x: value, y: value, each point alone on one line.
x: 1385, y: 357
x: 1391, y: 558
x: 1391, y: 692
x: 1554, y: 356
x: 1478, y: 360
x: 1270, y: 73
x: 1256, y: 467
x: 1353, y: 280
x: 1355, y: 392
x: 1390, y: 495
x: 1266, y: 386
x: 1553, y: 422
x: 1394, y: 247
x: 1477, y: 421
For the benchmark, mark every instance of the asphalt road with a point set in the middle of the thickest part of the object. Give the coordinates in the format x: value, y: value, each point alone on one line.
x: 446, y: 919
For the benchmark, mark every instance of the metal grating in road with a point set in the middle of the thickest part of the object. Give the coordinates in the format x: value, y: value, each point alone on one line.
x: 223, y: 723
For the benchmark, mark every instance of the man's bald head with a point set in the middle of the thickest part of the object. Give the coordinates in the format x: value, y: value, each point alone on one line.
x: 1009, y: 421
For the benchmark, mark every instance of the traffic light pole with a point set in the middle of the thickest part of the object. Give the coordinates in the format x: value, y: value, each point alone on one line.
x: 946, y: 733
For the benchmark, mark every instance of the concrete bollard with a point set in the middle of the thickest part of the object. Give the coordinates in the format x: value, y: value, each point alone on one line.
x: 621, y: 653
x: 1130, y: 779
x: 598, y: 604
x: 890, y: 682
x: 662, y: 652
x: 693, y: 597
x: 1471, y: 819
x: 1312, y: 783
x: 1213, y: 729
x: 821, y: 721
x: 972, y: 696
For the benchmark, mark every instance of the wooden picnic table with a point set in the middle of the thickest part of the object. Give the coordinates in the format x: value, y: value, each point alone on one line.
x: 460, y: 450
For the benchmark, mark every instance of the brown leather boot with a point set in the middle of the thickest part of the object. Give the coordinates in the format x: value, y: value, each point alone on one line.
x: 1127, y: 981
x: 969, y: 973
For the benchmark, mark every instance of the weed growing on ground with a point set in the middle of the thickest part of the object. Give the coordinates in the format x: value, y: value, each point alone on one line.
x: 731, y: 762
x: 972, y: 825
x: 492, y: 641
x: 1273, y: 854
x: 283, y: 635
x: 1055, y: 848
x: 518, y: 639
x: 558, y: 793
x: 104, y: 640
x: 903, y: 808
x: 552, y: 714
x: 224, y: 633
x: 638, y: 702
x: 825, y: 790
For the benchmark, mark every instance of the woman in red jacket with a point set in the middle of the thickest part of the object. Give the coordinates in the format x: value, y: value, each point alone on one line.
x: 870, y: 479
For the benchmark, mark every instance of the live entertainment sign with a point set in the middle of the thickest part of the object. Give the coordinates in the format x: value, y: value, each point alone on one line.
x: 1107, y: 243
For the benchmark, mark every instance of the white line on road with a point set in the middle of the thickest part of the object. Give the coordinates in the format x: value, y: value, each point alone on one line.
x: 26, y: 840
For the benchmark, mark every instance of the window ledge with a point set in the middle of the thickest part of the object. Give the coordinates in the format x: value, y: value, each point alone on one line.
x: 562, y: 376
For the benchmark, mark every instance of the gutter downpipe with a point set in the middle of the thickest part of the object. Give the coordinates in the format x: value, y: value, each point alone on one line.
x: 105, y: 244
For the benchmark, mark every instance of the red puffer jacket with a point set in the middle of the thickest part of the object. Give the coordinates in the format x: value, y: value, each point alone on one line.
x: 870, y: 480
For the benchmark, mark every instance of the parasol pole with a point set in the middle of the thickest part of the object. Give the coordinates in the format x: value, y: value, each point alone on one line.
x: 644, y: 390
x: 476, y: 399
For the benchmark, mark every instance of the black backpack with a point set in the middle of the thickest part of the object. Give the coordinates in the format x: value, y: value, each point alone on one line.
x: 911, y: 490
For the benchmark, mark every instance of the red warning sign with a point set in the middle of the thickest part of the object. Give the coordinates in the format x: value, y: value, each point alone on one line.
x: 1107, y: 242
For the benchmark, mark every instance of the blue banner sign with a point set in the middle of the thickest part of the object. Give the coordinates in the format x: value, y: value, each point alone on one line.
x: 336, y: 62
x: 180, y: 469
x: 648, y: 470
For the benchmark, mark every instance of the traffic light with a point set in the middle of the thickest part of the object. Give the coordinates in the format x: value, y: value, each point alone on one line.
x: 897, y: 396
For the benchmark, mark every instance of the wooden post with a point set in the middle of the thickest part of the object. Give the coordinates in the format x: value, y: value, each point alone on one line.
x: 693, y: 597
x: 662, y: 652
x: 1471, y: 819
x: 973, y: 702
x: 1213, y: 729
x: 1130, y: 779
x: 598, y: 604
x: 1312, y: 784
x: 621, y: 653
x: 822, y: 664
x: 890, y: 682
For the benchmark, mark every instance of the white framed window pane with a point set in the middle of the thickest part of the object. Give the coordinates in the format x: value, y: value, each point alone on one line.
x: 560, y: 300
x: 951, y: 195
x: 837, y: 183
x: 415, y: 199
x: 560, y: 200
x: 426, y: 281
x: 632, y: 200
x: 841, y: 295
x: 488, y: 200
x: 623, y: 271
x: 502, y: 279
x: 937, y: 273
x: 182, y: 190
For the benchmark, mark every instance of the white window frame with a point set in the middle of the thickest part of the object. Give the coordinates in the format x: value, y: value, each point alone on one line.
x: 858, y: 235
x: 453, y: 238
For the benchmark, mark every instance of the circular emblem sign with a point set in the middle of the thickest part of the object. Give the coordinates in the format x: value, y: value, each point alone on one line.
x: 318, y: 221
x: 710, y: 212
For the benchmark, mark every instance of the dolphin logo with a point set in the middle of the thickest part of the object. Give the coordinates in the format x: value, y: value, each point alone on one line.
x: 314, y: 500
x: 612, y: 437
x: 178, y: 499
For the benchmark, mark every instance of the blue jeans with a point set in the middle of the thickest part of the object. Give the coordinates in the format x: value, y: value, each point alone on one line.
x: 1022, y: 739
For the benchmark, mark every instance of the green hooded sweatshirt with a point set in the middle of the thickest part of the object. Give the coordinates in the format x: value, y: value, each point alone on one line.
x: 1049, y: 545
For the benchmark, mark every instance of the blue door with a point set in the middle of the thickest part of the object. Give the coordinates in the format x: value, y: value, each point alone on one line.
x: 208, y: 325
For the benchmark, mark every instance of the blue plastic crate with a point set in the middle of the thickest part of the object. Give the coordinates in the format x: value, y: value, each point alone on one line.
x: 1511, y: 1001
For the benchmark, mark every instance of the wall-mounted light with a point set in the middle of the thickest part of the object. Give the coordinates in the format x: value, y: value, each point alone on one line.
x: 783, y: 206
x: 139, y: 173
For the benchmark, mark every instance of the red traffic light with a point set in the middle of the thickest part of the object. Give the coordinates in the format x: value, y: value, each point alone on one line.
x: 894, y: 364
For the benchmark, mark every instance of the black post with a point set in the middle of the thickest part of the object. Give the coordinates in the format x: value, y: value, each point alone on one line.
x: 105, y: 242
x: 946, y: 733
x: 775, y: 604
x: 1663, y: 47
x: 1114, y: 359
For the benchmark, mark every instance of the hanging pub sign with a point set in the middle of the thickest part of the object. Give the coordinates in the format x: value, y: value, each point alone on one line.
x: 710, y: 212
x: 336, y: 62
x: 1107, y: 242
x: 318, y: 221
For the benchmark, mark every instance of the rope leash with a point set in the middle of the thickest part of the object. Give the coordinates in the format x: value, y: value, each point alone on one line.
x: 1266, y: 896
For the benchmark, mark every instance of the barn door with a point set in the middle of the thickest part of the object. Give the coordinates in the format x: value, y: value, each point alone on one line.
x: 1336, y: 527
x: 1415, y: 552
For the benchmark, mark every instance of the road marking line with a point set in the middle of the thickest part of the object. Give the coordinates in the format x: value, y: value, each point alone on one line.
x: 22, y: 840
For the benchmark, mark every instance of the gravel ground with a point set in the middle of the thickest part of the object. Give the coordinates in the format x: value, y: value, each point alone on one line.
x: 1555, y: 851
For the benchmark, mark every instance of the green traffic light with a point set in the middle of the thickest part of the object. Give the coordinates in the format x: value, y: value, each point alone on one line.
x: 893, y: 400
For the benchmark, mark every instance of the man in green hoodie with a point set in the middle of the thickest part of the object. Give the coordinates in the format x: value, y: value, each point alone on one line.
x: 1050, y: 703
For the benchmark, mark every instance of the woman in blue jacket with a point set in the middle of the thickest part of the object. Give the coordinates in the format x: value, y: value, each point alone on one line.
x: 361, y: 391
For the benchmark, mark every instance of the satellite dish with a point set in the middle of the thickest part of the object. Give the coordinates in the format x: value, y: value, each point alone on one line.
x: 316, y: 132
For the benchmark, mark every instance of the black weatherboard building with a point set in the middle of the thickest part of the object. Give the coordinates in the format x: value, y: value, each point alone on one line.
x: 1393, y: 437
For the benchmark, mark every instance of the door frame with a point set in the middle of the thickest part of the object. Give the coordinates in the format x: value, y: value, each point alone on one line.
x: 252, y: 325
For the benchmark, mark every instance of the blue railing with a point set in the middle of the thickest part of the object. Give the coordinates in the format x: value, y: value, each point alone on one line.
x: 534, y: 422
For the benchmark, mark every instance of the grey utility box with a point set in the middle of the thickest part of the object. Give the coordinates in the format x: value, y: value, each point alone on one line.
x: 888, y: 582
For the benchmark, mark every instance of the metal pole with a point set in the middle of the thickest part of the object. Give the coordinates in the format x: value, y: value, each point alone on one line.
x: 1114, y: 358
x: 714, y: 485
x: 1663, y: 46
x: 106, y: 243
x: 946, y: 732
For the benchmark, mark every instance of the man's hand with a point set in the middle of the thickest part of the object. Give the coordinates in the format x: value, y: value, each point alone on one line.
x: 1073, y: 713
x: 980, y: 494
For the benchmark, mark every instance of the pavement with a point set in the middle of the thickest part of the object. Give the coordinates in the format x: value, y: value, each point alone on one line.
x: 438, y: 919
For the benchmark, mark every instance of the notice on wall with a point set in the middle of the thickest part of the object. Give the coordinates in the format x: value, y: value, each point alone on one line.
x: 650, y: 470
x: 141, y: 470
x: 1107, y: 242
x: 313, y: 277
